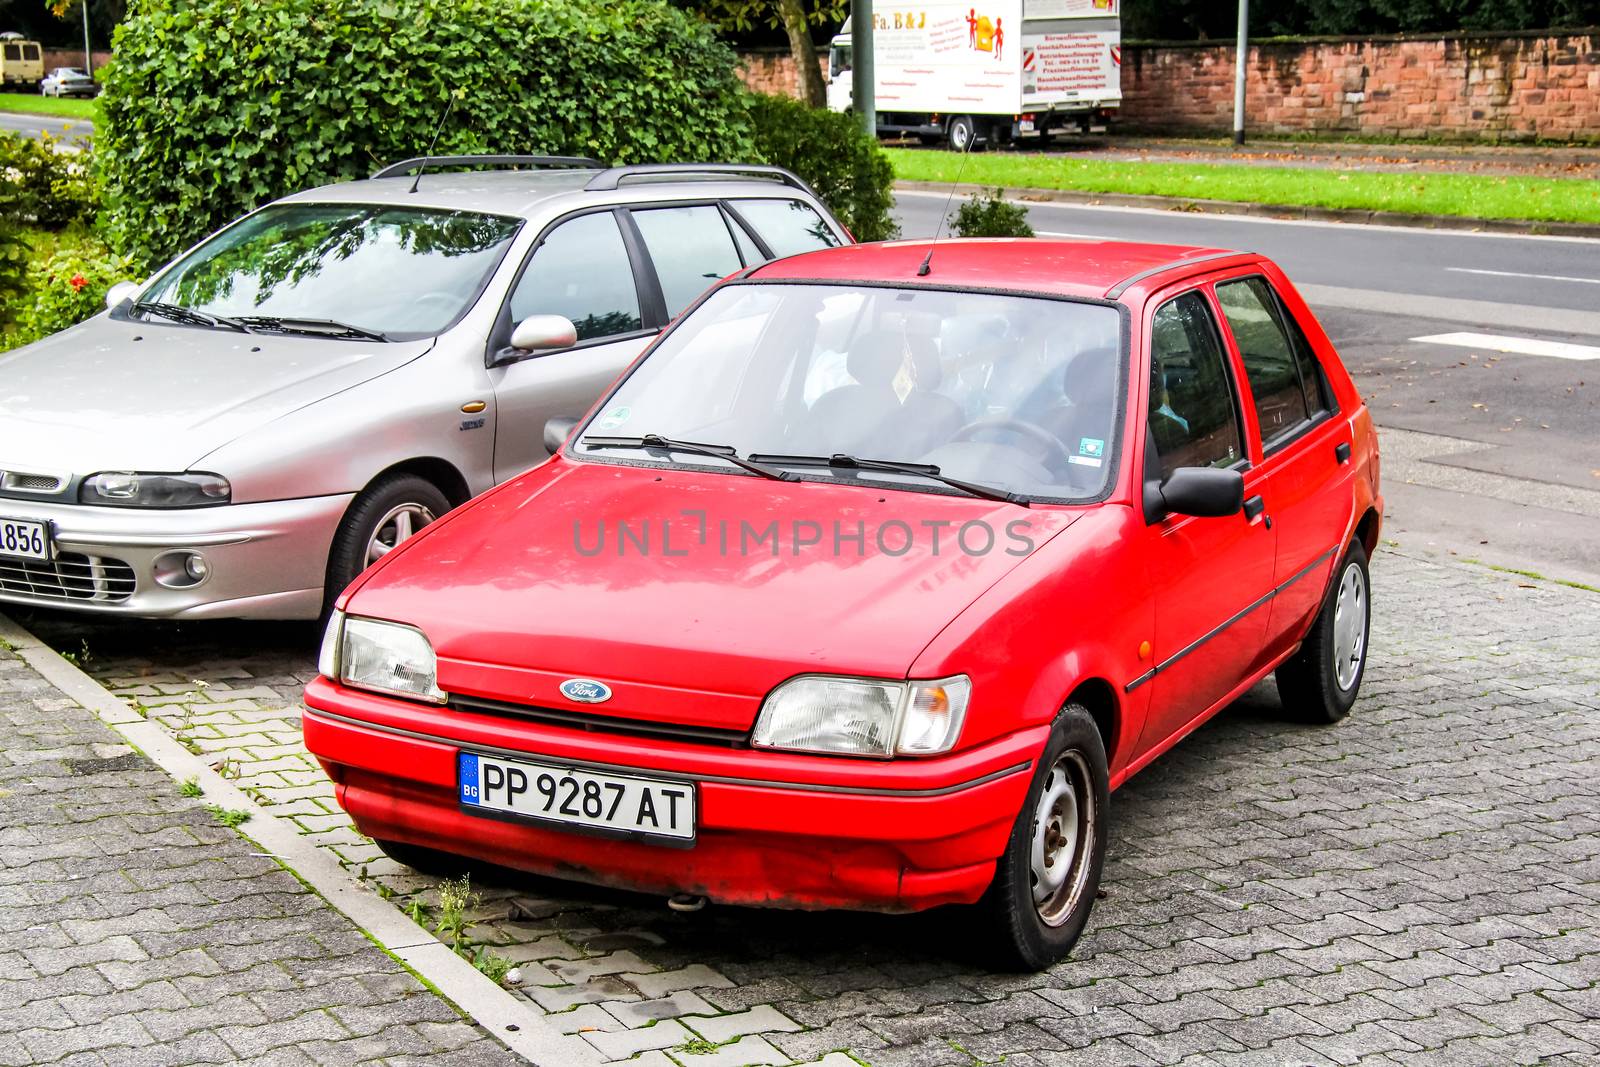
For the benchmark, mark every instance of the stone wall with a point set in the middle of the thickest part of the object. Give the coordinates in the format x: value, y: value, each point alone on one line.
x: 66, y: 57
x: 1490, y: 87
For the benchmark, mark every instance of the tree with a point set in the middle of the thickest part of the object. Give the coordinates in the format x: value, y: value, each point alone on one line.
x: 794, y: 17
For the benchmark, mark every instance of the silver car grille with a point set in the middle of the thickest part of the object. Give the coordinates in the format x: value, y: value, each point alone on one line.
x: 69, y: 578
x: 31, y: 482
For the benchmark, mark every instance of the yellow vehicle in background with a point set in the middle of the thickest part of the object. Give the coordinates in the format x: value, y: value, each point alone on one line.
x: 21, y: 62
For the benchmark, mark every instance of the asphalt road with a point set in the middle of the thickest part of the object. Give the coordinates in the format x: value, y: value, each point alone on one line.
x: 33, y: 125
x: 1488, y: 454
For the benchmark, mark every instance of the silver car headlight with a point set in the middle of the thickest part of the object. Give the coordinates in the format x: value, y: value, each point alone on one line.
x: 385, y: 657
x: 863, y: 717
x: 134, y: 489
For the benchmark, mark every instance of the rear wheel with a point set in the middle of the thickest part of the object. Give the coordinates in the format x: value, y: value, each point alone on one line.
x: 1046, y: 881
x: 1319, y: 683
x: 385, y: 514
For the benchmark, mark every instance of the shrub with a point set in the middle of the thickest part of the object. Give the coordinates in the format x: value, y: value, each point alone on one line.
x: 830, y: 150
x: 988, y: 215
x: 212, y: 107
x: 66, y: 285
x: 46, y: 184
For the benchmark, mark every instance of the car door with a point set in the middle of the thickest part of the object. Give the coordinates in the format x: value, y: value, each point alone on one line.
x: 784, y: 226
x: 587, y: 268
x: 1305, y: 449
x: 1211, y: 577
x: 688, y: 247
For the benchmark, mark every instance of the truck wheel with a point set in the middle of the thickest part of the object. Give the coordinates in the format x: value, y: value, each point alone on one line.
x: 1319, y: 683
x: 1046, y: 881
x: 385, y: 513
x: 962, y: 132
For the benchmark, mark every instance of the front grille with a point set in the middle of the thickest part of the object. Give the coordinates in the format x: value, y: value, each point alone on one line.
x: 608, y: 724
x: 25, y: 482
x: 69, y: 578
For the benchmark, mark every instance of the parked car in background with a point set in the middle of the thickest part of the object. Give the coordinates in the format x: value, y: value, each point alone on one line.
x: 290, y: 400
x: 21, y: 62
x: 68, y: 81
x: 772, y: 634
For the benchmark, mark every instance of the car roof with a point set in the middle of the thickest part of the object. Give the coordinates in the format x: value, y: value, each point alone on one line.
x: 1055, y: 266
x: 526, y: 193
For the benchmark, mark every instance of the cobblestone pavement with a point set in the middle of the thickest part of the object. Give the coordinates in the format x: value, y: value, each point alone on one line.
x: 136, y: 929
x: 1420, y: 884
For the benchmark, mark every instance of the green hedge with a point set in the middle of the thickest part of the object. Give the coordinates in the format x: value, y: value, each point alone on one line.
x: 213, y: 107
x: 830, y: 150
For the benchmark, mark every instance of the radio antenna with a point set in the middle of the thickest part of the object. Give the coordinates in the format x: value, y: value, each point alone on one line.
x: 450, y: 103
x: 927, y: 261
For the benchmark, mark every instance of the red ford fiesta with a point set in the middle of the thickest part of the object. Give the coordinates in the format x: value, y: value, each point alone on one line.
x: 867, y: 584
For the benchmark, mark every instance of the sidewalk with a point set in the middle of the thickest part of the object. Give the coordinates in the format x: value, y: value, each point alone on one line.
x: 136, y: 929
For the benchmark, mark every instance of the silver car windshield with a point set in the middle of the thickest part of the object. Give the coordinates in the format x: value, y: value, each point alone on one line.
x: 1015, y: 393
x: 401, y: 272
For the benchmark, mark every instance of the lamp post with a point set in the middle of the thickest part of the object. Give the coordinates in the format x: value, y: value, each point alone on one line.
x: 1240, y: 62
x: 862, y: 82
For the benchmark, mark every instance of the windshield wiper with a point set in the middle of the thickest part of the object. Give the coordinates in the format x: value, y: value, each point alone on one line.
x: 179, y: 313
x: 310, y: 327
x: 655, y: 440
x: 842, y: 461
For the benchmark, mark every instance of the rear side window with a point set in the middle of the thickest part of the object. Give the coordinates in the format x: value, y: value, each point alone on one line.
x: 13, y: 51
x: 30, y: 52
x: 582, y: 271
x: 691, y: 248
x: 788, y: 226
x: 1284, y: 377
x: 1192, y: 415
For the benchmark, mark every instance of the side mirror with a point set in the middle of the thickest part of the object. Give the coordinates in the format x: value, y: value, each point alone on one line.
x: 544, y: 333
x: 120, y: 292
x: 1202, y: 491
x: 556, y: 432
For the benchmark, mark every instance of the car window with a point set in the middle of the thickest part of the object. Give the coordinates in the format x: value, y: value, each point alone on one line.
x: 1318, y: 396
x: 1192, y: 415
x: 13, y: 51
x: 788, y: 226
x: 581, y: 270
x: 1269, y: 357
x: 691, y: 248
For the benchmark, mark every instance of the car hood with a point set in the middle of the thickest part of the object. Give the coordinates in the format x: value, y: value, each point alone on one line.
x: 566, y: 573
x: 130, y: 395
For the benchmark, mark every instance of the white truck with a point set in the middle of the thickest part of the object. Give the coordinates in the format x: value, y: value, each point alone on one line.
x: 987, y: 72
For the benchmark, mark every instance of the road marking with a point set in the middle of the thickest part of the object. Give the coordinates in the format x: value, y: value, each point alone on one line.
x: 1524, y: 346
x: 1520, y: 274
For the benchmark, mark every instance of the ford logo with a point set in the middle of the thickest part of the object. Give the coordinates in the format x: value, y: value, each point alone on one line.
x: 585, y: 690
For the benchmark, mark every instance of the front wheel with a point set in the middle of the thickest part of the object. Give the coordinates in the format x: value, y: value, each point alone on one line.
x: 1319, y: 683
x: 963, y: 132
x: 386, y: 513
x: 1046, y: 881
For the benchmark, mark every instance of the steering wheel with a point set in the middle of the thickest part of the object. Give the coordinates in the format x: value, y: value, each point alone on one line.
x: 1057, y: 453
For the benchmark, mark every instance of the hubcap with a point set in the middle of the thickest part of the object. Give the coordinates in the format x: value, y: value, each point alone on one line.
x: 1064, y: 826
x: 1350, y: 627
x: 400, y: 523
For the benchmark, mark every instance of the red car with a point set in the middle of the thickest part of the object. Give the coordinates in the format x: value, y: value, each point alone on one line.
x: 869, y: 581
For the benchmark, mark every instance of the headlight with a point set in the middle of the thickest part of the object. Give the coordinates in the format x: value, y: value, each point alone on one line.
x: 130, y: 489
x: 862, y: 717
x: 386, y: 657
x: 328, y: 657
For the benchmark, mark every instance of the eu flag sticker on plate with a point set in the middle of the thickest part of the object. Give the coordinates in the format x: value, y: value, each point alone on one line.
x: 1091, y: 446
x: 468, y: 764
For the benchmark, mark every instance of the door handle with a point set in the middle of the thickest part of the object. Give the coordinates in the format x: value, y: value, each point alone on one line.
x: 1254, y: 507
x: 1341, y: 452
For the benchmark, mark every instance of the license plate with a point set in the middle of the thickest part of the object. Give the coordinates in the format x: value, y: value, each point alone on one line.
x: 29, y: 540
x: 620, y: 803
x: 1025, y: 126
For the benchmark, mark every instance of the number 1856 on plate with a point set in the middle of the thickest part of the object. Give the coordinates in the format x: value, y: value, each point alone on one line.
x: 603, y: 801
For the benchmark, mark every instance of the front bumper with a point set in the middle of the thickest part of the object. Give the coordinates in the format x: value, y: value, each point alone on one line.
x: 265, y: 560
x: 775, y: 829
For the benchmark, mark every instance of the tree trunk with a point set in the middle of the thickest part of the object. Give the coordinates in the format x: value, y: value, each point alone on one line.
x: 812, y: 89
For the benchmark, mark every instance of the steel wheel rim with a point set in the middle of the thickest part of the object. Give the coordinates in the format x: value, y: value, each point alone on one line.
x: 1062, y: 839
x: 398, y: 524
x: 960, y: 136
x: 1350, y: 627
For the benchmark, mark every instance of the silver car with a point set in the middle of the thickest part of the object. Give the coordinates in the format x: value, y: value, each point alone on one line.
x: 244, y: 433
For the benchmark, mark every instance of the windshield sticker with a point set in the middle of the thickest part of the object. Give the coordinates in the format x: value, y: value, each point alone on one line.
x: 1086, y: 461
x: 1091, y: 446
x: 615, y: 417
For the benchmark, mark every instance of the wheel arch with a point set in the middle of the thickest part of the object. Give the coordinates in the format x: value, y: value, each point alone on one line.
x: 444, y: 475
x: 1366, y: 530
x: 1099, y: 697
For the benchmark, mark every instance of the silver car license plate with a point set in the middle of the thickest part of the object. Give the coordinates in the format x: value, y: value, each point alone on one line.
x: 25, y: 539
x: 621, y: 803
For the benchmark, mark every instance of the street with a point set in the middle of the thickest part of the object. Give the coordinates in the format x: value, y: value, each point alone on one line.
x: 71, y: 130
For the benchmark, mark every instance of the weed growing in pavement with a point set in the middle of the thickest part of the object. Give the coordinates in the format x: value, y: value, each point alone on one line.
x: 229, y: 817
x: 697, y: 1047
x: 418, y: 910
x: 455, y: 898
x: 493, y: 967
x: 190, y: 787
x: 6, y: 646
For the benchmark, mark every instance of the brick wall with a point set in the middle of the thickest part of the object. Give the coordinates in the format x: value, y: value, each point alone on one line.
x: 772, y: 70
x: 66, y: 57
x: 1482, y: 87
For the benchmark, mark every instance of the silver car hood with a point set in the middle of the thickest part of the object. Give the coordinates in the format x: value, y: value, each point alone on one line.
x: 138, y: 395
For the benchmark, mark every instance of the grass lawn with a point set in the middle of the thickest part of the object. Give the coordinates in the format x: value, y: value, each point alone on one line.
x: 1469, y: 195
x: 64, y: 107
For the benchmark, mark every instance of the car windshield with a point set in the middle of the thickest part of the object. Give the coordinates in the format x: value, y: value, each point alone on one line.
x: 1013, y: 393
x: 401, y: 272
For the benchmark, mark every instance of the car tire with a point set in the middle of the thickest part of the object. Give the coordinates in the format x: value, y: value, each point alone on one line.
x: 1045, y: 884
x: 962, y: 133
x: 1319, y: 683
x: 424, y: 860
x: 383, y: 514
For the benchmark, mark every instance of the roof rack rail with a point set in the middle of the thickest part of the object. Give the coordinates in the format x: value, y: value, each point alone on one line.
x: 613, y: 177
x: 408, y: 166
